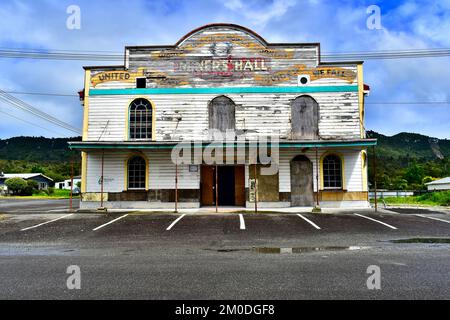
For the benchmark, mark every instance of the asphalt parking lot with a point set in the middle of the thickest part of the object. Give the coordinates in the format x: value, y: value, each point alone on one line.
x: 222, y: 256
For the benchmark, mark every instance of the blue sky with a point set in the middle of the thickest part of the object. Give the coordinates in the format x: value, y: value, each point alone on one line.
x: 340, y: 26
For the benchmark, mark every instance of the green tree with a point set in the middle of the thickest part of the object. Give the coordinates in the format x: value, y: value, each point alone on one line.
x: 427, y: 179
x: 414, y: 174
x: 16, y: 185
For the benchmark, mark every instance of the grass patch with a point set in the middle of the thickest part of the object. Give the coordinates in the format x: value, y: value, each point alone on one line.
x: 57, y: 194
x: 440, y: 198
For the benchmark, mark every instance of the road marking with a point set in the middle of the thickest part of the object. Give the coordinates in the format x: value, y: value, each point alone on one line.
x: 419, y: 215
x: 309, y: 221
x: 41, y: 224
x: 112, y: 221
x: 241, y: 221
x: 385, y: 224
x: 176, y: 220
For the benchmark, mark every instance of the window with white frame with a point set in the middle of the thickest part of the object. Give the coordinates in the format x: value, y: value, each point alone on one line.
x: 141, y: 115
x: 136, y: 172
x: 332, y: 172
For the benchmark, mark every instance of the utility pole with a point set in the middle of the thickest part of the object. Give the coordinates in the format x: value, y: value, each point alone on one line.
x: 176, y: 187
x: 71, y: 184
x: 101, y: 185
x: 375, y: 177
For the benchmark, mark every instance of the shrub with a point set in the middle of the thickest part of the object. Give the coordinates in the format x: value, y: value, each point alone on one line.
x: 51, y: 190
x: 31, y: 187
x: 16, y: 185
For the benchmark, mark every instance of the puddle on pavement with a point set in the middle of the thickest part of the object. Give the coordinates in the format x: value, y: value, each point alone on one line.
x: 291, y: 250
x: 422, y: 240
x: 301, y: 249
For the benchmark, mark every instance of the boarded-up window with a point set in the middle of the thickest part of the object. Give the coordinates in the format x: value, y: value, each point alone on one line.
x: 222, y: 114
x: 305, y: 118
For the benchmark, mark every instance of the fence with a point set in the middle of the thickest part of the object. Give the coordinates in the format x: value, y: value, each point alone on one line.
x: 392, y: 193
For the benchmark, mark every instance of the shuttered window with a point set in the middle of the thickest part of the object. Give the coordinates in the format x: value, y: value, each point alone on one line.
x: 222, y: 114
x: 332, y: 172
x: 136, y: 173
x: 141, y: 114
x: 304, y: 118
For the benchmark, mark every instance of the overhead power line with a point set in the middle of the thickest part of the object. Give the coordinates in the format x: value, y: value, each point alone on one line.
x: 119, y: 56
x: 388, y: 54
x: 408, y: 102
x: 29, y: 122
x: 19, y: 104
x: 44, y: 93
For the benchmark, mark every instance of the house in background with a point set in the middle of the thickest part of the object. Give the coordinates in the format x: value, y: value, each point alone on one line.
x: 438, y: 185
x: 43, y: 181
x: 66, y: 184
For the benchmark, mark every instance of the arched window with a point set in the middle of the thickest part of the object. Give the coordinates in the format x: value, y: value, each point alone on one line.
x: 332, y: 172
x: 304, y: 118
x: 136, y: 172
x: 141, y: 115
x: 222, y: 114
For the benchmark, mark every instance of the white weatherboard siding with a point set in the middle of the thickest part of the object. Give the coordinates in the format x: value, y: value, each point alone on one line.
x: 161, y: 171
x: 185, y: 117
x: 352, y: 168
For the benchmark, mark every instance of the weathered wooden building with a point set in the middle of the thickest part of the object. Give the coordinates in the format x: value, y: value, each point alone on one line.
x: 228, y: 78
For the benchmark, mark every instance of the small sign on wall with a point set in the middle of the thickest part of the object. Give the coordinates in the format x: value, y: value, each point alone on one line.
x: 193, y: 168
x: 252, y: 190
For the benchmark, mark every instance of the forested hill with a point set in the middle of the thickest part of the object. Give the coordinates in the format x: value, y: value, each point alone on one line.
x: 51, y: 157
x: 405, y: 160
x: 37, y: 149
x: 404, y: 144
x: 411, y: 144
x: 409, y: 160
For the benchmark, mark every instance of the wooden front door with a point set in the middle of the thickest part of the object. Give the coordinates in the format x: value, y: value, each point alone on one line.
x: 239, y: 188
x: 302, y: 193
x: 207, y: 185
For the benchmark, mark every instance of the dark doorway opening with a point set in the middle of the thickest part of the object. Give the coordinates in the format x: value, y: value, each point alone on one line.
x: 225, y: 176
x: 230, y: 185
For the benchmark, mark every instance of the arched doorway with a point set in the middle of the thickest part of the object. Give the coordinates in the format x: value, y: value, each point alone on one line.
x: 302, y: 193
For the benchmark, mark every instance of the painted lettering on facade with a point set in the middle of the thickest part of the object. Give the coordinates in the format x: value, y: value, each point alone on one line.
x: 116, y: 75
x: 225, y: 67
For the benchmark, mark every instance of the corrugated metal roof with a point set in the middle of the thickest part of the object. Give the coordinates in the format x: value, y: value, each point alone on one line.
x: 23, y: 175
x: 440, y: 181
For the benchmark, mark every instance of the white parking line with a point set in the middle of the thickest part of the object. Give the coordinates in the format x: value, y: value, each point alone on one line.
x: 309, y: 221
x: 103, y: 225
x: 419, y: 215
x: 176, y: 220
x: 41, y: 224
x: 241, y: 222
x: 385, y: 224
